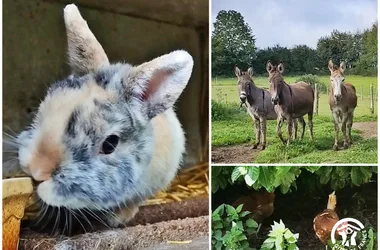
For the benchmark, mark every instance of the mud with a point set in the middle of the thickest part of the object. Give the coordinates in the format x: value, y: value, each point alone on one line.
x: 234, y: 154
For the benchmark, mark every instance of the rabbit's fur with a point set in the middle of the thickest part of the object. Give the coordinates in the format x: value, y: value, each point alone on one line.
x: 62, y: 147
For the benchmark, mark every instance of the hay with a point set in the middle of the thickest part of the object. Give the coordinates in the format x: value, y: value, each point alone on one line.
x: 189, y: 183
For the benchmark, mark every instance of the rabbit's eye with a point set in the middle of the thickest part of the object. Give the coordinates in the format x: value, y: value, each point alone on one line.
x: 109, y: 145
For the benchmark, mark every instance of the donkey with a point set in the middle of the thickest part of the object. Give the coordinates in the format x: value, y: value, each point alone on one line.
x: 259, y: 105
x: 291, y: 101
x: 343, y: 101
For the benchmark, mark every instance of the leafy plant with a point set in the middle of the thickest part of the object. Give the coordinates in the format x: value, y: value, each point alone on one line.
x: 312, y: 80
x: 285, y: 177
x: 280, y: 237
x: 231, y: 228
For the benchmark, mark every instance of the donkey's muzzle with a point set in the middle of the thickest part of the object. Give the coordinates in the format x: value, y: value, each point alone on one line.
x: 274, y: 100
x: 243, y: 98
x: 338, y: 97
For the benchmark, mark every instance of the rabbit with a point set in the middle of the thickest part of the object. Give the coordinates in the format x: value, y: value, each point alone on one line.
x: 106, y: 137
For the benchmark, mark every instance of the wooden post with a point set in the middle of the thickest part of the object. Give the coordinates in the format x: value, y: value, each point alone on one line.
x: 361, y: 92
x: 316, y: 99
x: 371, y: 95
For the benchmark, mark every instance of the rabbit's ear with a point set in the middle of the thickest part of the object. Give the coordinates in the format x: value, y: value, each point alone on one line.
x: 84, y: 51
x: 159, y: 83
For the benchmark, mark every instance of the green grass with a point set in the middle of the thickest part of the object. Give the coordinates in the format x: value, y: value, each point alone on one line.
x: 226, y: 90
x: 236, y: 127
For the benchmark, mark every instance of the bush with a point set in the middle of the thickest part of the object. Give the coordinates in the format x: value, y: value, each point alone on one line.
x: 231, y: 228
x: 285, y: 177
x: 312, y: 80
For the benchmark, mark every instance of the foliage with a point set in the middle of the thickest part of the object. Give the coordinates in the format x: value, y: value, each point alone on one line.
x: 232, y: 43
x: 280, y: 237
x: 313, y: 79
x: 220, y: 177
x: 231, y: 228
x: 285, y: 177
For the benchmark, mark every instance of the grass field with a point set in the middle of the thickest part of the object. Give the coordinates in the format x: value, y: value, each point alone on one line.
x: 233, y: 126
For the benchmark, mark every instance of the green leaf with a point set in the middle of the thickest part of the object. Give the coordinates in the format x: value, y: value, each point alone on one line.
x: 251, y: 223
x: 238, y: 209
x: 244, y: 213
x: 267, y: 177
x: 237, y: 172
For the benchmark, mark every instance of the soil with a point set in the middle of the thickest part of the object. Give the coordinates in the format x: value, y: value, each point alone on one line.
x: 243, y: 153
x: 192, y: 232
x: 152, y: 226
x: 367, y: 129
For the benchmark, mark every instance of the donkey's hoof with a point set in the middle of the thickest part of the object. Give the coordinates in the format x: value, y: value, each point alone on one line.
x: 335, y: 147
x: 255, y: 146
x: 345, y: 145
x: 263, y: 147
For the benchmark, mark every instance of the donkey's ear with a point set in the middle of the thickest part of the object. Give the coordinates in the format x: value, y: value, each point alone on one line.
x: 158, y: 84
x: 84, y: 52
x: 331, y: 66
x: 237, y: 71
x: 281, y: 67
x: 269, y: 67
x: 250, y: 71
x: 342, y: 67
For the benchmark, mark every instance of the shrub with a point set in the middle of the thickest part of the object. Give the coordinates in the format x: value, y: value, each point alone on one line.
x: 285, y: 177
x: 312, y: 80
x: 231, y: 228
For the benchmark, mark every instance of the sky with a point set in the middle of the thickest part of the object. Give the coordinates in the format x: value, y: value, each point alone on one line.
x: 294, y: 22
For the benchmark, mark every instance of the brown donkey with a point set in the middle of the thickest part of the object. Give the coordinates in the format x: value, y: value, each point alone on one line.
x: 343, y: 101
x: 259, y: 105
x: 291, y: 101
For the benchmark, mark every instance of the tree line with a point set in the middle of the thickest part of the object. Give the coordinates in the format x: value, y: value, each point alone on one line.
x: 233, y: 43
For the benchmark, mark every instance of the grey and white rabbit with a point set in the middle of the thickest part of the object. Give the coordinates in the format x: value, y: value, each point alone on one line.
x: 107, y: 136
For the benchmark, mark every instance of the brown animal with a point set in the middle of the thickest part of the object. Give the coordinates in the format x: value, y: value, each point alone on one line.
x: 292, y: 101
x: 259, y: 203
x: 343, y: 101
x: 259, y: 105
x: 325, y: 221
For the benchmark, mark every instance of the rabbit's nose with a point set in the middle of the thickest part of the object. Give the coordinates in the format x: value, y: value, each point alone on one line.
x: 39, y: 175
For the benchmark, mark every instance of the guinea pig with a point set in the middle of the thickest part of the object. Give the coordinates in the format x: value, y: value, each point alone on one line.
x: 106, y: 137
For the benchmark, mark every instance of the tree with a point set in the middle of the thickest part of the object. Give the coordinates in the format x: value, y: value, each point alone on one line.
x: 232, y: 43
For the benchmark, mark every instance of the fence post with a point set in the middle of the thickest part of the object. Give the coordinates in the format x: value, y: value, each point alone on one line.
x: 371, y: 95
x: 316, y: 99
x: 361, y: 92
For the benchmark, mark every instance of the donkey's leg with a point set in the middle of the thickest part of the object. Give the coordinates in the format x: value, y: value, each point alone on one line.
x: 280, y: 120
x: 350, y: 121
x: 310, y: 123
x: 263, y: 128
x: 336, y: 128
x: 290, y: 125
x: 257, y: 127
x: 303, y: 124
x: 295, y: 127
x: 344, y: 129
